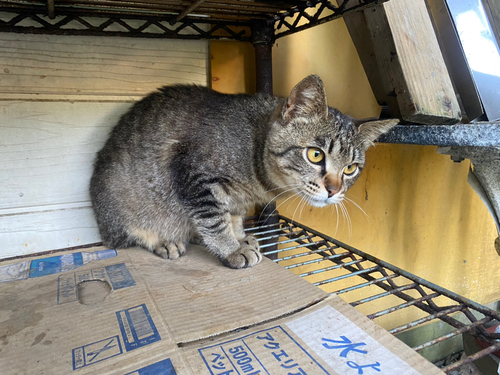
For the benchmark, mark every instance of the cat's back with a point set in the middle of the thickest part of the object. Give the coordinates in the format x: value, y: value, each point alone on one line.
x: 171, y: 105
x: 191, y: 113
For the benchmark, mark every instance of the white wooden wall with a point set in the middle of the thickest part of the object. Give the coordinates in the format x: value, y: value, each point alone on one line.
x: 59, y: 98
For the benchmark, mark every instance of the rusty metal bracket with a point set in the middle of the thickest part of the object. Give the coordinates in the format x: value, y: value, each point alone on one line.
x: 484, y: 176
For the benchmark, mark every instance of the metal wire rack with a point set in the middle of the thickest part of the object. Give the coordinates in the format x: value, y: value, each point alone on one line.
x: 397, y: 300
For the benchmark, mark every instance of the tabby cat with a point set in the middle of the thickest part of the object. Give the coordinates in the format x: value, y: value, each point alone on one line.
x: 187, y: 163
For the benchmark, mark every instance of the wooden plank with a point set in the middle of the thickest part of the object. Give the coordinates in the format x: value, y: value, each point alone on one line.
x: 47, y: 150
x: 68, y: 65
x: 360, y: 35
x: 39, y: 231
x: 410, y: 62
x: 59, y: 98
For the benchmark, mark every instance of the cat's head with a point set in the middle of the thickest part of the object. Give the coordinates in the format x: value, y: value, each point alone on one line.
x: 316, y: 151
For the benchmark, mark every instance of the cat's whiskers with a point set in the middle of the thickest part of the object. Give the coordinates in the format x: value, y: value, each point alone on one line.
x: 274, y: 198
x: 307, y: 201
x: 334, y: 206
x: 294, y: 212
x: 357, y: 205
x: 282, y: 187
x: 337, y: 226
x: 294, y: 195
x: 347, y: 218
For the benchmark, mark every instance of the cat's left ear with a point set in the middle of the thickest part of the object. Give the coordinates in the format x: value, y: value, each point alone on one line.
x: 371, y: 129
x: 307, y: 99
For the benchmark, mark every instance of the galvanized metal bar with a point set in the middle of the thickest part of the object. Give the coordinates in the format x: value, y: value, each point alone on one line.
x: 401, y: 306
x: 290, y: 240
x: 260, y: 227
x: 266, y: 232
x: 326, y: 269
x: 467, y: 302
x: 287, y: 241
x: 363, y: 285
x: 366, y: 271
x: 312, y: 252
x: 381, y: 295
x: 424, y: 303
x: 426, y: 307
x: 452, y: 334
x: 322, y: 259
x: 472, y: 358
x: 428, y: 318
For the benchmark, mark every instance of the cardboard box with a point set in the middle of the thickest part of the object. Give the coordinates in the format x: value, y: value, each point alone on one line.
x: 129, y: 312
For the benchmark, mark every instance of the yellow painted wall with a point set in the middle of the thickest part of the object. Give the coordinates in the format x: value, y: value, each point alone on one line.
x: 232, y: 67
x: 422, y: 214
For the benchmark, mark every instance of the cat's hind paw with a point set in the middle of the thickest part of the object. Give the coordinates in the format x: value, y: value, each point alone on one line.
x: 170, y: 250
x: 247, y: 255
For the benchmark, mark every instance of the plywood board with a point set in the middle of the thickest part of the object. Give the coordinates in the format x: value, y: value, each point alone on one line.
x: 69, y: 65
x: 50, y: 228
x: 59, y: 98
x: 47, y: 150
x: 360, y: 35
x: 410, y: 62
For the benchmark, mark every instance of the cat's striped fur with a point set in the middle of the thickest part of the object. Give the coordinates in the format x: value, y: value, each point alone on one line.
x: 187, y: 163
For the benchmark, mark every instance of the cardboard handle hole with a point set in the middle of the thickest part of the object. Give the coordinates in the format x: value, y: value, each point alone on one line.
x: 91, y: 292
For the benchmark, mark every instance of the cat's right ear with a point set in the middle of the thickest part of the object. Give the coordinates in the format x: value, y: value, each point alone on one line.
x: 307, y: 99
x: 371, y: 130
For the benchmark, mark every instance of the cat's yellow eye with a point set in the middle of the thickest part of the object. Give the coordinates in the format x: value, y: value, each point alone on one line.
x: 350, y: 169
x: 315, y: 155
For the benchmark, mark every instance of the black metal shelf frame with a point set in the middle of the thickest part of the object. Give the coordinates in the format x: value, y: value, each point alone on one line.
x: 200, y: 19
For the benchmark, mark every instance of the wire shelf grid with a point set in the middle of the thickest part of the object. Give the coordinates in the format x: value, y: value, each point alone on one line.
x: 394, y: 298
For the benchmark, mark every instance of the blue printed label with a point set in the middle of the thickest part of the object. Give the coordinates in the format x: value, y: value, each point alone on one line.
x: 14, y: 272
x: 67, y: 291
x: 344, y: 346
x: 117, y: 275
x: 96, y: 352
x: 52, y: 265
x: 164, y: 367
x: 137, y: 327
x: 279, y: 353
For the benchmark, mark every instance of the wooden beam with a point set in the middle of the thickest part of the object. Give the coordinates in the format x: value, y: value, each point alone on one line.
x: 360, y: 35
x: 410, y: 62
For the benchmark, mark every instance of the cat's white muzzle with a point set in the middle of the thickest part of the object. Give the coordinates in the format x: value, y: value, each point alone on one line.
x: 322, y: 200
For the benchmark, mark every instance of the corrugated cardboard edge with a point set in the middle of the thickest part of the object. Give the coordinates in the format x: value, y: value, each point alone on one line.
x: 199, y: 298
x: 249, y: 327
x: 191, y: 352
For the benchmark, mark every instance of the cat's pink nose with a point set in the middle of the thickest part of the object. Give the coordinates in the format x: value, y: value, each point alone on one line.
x: 331, y: 191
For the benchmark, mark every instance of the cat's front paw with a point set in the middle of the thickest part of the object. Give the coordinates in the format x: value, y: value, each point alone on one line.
x: 170, y: 250
x: 247, y: 255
